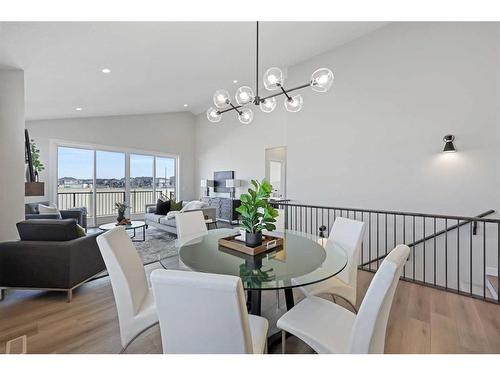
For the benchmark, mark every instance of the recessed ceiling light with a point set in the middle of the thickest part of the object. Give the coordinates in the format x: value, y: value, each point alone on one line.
x: 235, y: 81
x: 185, y: 105
x: 106, y: 70
x: 78, y: 108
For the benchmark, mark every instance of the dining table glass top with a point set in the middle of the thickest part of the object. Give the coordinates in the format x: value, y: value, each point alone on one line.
x: 302, y: 260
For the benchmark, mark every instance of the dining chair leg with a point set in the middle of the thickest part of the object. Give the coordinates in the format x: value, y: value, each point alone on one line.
x: 124, y: 348
x: 283, y: 342
x: 333, y: 298
x: 345, y: 299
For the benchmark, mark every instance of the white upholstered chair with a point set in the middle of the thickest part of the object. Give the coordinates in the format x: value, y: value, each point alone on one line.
x: 205, y: 313
x: 329, y: 328
x: 133, y: 297
x: 348, y: 235
x: 190, y: 224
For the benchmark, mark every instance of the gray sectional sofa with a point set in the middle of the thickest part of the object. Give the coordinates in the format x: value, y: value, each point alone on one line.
x: 168, y: 225
x: 77, y: 213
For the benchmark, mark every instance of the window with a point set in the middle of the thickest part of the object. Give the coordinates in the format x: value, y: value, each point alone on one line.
x: 119, y: 176
x: 75, y: 171
x: 110, y: 181
x: 141, y: 182
x: 165, y: 176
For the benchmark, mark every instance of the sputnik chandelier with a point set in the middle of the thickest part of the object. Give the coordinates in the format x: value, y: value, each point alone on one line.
x: 274, y: 80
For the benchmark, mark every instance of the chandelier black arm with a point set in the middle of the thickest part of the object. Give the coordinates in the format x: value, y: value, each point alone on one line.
x: 232, y: 108
x: 284, y: 92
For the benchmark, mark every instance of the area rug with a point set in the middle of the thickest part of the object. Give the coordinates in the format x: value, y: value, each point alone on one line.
x: 156, y: 241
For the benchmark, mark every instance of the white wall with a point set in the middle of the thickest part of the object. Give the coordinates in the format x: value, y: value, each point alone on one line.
x: 11, y: 152
x: 229, y: 145
x: 375, y: 140
x: 163, y: 133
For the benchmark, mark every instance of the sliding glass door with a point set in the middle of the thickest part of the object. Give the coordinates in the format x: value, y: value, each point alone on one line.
x: 75, y: 182
x: 97, y: 179
x: 110, y: 182
x: 141, y: 182
x: 165, y: 176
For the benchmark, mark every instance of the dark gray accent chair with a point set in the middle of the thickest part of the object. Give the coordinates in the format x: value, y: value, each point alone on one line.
x: 77, y: 213
x: 49, y: 256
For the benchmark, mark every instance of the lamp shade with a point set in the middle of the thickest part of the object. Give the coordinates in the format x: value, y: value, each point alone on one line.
x: 207, y: 183
x: 232, y: 183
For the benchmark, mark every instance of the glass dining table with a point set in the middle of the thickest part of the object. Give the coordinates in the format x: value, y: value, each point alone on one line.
x: 302, y: 260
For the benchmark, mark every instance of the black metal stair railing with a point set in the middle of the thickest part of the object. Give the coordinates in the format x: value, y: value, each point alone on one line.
x: 452, y: 253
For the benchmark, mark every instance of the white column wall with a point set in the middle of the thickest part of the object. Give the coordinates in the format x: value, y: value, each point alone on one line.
x: 11, y: 152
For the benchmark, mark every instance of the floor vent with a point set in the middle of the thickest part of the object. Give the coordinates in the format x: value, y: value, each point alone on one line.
x: 18, y: 345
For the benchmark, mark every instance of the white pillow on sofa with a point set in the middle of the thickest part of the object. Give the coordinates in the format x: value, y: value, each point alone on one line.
x: 171, y: 214
x: 48, y: 210
x: 194, y: 205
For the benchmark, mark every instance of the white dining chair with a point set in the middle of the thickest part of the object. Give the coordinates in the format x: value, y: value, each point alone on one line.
x: 205, y: 313
x: 133, y: 297
x: 190, y: 224
x: 329, y: 328
x: 347, y: 234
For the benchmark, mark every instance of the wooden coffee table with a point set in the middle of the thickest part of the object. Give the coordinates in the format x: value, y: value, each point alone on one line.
x: 132, y: 226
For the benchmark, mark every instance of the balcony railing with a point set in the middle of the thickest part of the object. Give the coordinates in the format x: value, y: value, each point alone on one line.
x: 105, y: 200
x: 458, y: 254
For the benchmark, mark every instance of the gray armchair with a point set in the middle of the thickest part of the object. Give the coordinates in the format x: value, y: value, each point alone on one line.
x: 49, y: 256
x: 77, y: 213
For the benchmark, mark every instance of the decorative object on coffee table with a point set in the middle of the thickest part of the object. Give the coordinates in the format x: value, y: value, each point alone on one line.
x: 256, y: 212
x: 121, y: 207
x: 123, y: 221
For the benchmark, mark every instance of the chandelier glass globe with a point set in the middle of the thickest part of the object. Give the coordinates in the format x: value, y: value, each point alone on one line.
x: 294, y: 104
x: 273, y: 79
x: 221, y: 98
x: 244, y: 95
x: 246, y: 116
x: 268, y: 105
x: 213, y: 115
x: 321, y: 80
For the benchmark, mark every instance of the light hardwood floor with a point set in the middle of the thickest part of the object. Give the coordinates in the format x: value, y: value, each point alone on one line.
x: 422, y: 320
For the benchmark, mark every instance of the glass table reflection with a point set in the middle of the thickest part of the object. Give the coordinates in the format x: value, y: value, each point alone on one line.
x: 302, y: 260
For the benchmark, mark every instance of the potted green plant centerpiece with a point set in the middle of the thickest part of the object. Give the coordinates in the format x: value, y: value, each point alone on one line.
x: 256, y: 212
x: 121, y: 207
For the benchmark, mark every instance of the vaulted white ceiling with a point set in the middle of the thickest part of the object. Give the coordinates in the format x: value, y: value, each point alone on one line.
x: 155, y: 66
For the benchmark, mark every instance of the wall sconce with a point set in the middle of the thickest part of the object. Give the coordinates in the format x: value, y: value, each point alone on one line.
x: 449, y: 146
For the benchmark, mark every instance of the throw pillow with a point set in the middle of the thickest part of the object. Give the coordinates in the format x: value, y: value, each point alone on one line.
x: 193, y: 205
x: 175, y: 206
x: 80, y: 231
x: 162, y: 208
x: 172, y: 214
x: 48, y: 210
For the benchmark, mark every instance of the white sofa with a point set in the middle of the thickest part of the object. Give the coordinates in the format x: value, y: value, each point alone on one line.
x: 168, y: 224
